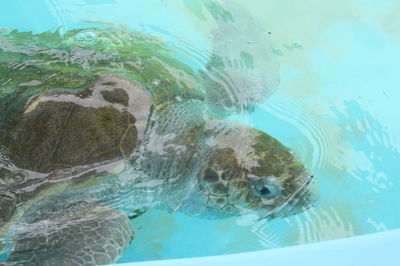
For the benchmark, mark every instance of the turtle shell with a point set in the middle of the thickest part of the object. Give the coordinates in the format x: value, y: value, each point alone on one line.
x: 83, y: 96
x: 60, y: 129
x: 68, y: 105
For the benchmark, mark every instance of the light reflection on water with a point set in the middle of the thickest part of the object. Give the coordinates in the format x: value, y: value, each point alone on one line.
x: 335, y: 109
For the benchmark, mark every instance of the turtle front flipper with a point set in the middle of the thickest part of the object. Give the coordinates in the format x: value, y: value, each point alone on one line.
x: 89, y: 236
x: 243, y: 70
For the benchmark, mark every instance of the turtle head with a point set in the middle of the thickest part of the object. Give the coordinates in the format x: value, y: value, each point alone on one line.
x: 250, y: 172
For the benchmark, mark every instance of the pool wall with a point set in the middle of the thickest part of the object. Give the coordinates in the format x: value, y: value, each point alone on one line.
x: 379, y: 249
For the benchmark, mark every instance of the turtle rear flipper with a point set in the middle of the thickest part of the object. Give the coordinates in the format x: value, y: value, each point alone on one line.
x: 92, y: 236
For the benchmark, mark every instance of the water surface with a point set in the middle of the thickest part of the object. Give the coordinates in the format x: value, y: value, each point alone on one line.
x: 336, y: 107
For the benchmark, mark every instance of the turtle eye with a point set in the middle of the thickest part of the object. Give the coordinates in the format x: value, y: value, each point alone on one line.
x: 263, y: 190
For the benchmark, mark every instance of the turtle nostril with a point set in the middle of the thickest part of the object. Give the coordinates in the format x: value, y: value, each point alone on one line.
x: 310, y: 179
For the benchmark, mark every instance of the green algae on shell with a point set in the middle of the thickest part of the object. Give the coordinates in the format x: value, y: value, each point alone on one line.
x: 59, y: 61
x: 31, y: 64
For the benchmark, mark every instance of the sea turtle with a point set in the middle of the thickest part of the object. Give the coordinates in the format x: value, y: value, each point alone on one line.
x: 98, y: 125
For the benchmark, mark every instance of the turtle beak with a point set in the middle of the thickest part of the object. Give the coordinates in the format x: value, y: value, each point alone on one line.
x: 303, y: 198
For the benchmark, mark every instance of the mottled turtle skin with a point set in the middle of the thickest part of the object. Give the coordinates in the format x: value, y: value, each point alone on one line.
x: 93, y: 132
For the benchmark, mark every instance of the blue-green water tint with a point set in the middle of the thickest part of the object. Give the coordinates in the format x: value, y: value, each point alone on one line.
x: 336, y: 108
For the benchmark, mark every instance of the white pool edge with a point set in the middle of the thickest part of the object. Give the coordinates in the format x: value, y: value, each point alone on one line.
x: 380, y: 249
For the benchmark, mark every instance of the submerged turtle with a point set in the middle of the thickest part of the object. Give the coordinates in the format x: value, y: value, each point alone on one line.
x: 95, y: 132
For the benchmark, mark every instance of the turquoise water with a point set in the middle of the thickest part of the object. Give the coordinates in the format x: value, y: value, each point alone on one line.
x: 336, y: 107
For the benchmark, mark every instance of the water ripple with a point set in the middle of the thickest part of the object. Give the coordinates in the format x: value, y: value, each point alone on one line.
x: 321, y: 136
